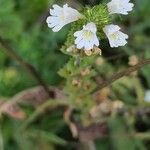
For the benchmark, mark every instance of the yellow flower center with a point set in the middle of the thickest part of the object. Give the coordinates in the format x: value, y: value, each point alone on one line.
x: 62, y: 17
x: 88, y: 35
x: 113, y: 36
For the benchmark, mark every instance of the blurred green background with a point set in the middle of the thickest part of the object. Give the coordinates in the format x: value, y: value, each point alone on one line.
x: 22, y: 24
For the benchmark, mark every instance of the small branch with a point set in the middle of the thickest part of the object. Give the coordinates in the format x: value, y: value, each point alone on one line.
x: 142, y: 136
x: 12, y: 54
x: 121, y: 74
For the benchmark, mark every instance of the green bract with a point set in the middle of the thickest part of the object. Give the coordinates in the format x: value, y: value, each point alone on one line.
x: 98, y: 14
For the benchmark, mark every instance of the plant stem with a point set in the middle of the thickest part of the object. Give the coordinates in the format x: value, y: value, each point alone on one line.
x: 90, y: 145
x: 142, y: 136
x: 1, y: 140
x: 41, y: 109
x: 121, y: 74
x: 12, y: 54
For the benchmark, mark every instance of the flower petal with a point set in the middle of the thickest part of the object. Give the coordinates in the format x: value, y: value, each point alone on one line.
x: 87, y: 38
x: 120, y: 6
x: 60, y: 16
x: 116, y: 38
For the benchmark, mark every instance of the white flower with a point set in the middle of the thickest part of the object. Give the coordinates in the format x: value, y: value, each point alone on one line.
x: 60, y: 16
x: 120, y: 6
x: 86, y: 38
x: 116, y: 38
x: 147, y: 96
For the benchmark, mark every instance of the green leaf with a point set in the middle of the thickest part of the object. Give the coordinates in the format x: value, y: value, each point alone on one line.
x: 121, y: 137
x: 50, y: 137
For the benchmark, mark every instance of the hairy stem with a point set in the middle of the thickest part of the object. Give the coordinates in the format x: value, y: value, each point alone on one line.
x: 12, y: 54
x: 121, y: 74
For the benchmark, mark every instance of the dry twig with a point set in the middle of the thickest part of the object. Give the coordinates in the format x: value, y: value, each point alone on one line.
x: 121, y: 74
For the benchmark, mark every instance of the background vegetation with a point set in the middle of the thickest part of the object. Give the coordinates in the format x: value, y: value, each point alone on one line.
x: 23, y: 29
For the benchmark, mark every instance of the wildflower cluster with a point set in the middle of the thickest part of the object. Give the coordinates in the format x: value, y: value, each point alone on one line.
x: 91, y: 24
x: 89, y: 27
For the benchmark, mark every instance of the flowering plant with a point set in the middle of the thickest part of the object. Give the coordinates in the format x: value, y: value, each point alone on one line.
x: 89, y: 27
x: 94, y: 21
x: 93, y: 98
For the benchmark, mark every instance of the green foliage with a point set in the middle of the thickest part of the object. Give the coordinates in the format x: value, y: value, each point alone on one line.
x: 121, y: 135
x: 100, y: 16
x: 12, y: 80
x: 33, y: 44
x: 22, y: 25
x: 10, y: 23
